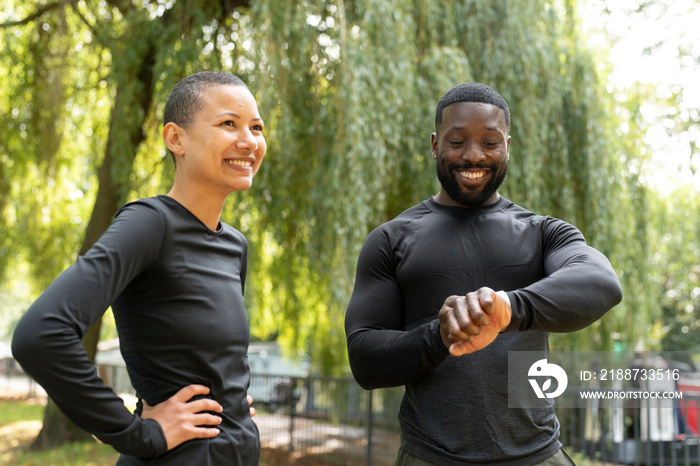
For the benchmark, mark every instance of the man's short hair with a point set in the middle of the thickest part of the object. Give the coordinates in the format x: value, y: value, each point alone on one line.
x: 185, y: 99
x: 471, y: 92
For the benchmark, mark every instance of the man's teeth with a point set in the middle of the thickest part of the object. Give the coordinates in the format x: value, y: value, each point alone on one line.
x: 472, y: 175
x: 240, y: 163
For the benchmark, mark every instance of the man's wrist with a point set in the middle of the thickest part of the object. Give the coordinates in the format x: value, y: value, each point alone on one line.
x: 505, y: 297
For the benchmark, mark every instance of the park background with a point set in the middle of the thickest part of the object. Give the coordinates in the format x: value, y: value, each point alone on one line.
x: 605, y: 107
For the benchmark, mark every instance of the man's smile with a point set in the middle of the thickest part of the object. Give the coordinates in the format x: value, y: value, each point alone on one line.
x: 471, y: 175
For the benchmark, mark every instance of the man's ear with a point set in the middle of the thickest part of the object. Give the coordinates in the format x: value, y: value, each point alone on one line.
x: 434, y: 144
x: 173, y: 135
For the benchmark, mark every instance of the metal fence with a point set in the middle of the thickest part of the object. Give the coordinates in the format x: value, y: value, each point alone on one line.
x: 332, y: 416
x: 317, y: 415
x: 636, y: 431
x: 336, y: 418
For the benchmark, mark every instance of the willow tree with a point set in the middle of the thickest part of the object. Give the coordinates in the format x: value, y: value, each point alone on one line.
x: 347, y: 89
x: 351, y: 89
x: 135, y: 51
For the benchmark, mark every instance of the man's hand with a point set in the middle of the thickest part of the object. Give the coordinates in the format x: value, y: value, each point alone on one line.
x: 181, y: 419
x: 472, y: 322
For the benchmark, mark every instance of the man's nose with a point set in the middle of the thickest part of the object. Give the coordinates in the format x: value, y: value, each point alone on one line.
x: 473, y: 152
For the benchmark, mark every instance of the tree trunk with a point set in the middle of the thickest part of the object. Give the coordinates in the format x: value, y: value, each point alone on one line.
x: 134, y: 69
x: 131, y: 105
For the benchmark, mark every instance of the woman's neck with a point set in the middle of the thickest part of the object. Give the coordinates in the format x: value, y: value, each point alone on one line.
x: 206, y: 208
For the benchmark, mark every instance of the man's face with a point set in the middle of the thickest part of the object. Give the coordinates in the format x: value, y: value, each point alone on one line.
x: 472, y: 148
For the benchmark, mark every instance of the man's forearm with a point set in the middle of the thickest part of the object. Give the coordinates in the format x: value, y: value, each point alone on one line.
x: 569, y: 299
x: 390, y: 358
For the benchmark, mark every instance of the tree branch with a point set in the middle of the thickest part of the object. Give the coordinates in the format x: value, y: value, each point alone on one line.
x: 40, y: 11
x: 77, y: 11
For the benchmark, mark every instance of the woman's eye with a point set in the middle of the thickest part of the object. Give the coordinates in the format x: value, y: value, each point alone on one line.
x: 228, y: 123
x: 258, y: 128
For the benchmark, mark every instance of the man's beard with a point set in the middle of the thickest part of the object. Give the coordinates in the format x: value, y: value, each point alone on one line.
x: 448, y: 180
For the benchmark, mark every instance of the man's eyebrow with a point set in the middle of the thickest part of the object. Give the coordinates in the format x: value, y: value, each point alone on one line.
x: 487, y: 128
x: 493, y: 128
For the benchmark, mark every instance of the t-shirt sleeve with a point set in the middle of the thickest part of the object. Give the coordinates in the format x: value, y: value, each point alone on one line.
x: 47, y: 343
x: 381, y: 352
x: 579, y: 286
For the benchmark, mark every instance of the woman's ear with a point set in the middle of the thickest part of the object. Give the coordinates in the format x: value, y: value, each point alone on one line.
x: 173, y: 136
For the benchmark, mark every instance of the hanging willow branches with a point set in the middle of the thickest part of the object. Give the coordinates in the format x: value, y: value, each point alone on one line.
x: 352, y: 88
x: 347, y: 89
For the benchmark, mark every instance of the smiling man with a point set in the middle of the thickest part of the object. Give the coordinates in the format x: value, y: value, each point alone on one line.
x: 444, y: 291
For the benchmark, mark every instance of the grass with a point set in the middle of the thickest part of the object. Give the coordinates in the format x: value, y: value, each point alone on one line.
x: 85, y: 454
x: 15, y: 411
x: 20, y: 422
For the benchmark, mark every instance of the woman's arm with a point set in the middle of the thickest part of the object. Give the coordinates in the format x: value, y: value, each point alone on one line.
x: 47, y: 339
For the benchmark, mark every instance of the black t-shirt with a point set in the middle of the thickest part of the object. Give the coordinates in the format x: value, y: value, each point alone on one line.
x: 176, y: 290
x: 455, y: 410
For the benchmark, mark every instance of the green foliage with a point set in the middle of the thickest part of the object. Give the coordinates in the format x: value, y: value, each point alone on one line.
x: 352, y: 95
x: 676, y: 269
x: 347, y: 89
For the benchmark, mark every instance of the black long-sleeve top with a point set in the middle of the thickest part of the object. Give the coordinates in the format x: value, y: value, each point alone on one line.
x: 455, y: 410
x: 176, y: 290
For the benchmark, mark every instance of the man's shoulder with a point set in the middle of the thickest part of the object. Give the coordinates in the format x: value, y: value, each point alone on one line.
x: 548, y: 224
x: 522, y: 213
x: 409, y: 215
x: 417, y: 211
x: 392, y: 229
x: 509, y: 206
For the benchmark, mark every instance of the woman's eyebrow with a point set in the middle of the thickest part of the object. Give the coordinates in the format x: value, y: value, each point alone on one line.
x: 229, y: 113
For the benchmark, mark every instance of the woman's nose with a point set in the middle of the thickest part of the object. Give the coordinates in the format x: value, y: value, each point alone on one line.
x: 246, y: 140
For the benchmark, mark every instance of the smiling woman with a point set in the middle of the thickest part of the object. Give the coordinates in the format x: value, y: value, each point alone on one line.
x: 174, y: 276
x: 218, y: 152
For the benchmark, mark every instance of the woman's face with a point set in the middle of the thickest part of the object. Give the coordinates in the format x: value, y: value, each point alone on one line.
x: 224, y: 146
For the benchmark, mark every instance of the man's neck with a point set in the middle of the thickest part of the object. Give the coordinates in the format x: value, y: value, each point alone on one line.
x: 444, y: 199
